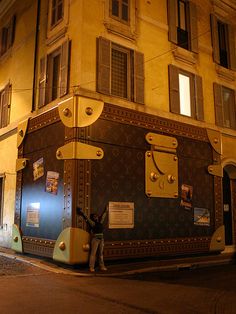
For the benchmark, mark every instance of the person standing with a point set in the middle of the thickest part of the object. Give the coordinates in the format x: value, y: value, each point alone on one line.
x: 96, y: 224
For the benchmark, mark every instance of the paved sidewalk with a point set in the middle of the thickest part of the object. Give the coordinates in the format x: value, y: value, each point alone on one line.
x: 25, y: 262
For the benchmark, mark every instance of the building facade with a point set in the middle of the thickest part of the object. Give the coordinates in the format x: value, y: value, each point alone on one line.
x: 129, y: 103
x: 17, y: 46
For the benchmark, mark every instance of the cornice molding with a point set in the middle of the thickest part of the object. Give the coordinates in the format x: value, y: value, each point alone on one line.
x: 225, y: 74
x: 184, y: 55
x: 225, y: 8
x: 4, y: 6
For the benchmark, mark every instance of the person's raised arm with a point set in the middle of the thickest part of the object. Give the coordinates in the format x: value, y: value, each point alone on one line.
x: 86, y: 218
x: 104, y: 213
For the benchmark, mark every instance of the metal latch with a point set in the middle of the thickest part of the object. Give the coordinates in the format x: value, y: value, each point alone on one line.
x: 80, y: 111
x: 21, y: 163
x: 21, y: 132
x: 78, y: 150
x: 161, y: 166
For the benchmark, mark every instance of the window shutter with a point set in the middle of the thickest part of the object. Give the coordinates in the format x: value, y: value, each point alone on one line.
x: 174, y: 89
x: 64, y: 68
x: 215, y: 39
x: 103, y: 65
x: 199, y: 98
x: 232, y: 54
x: 233, y: 112
x: 172, y: 10
x: 1, y: 105
x: 11, y: 32
x: 42, y: 82
x: 193, y: 27
x: 6, y: 101
x: 1, y: 199
x: 138, y: 77
x: 218, y: 104
x: 1, y: 41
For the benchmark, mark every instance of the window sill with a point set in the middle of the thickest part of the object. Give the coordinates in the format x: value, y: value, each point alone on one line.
x: 55, y: 37
x: 6, y: 55
x: 121, y: 30
x: 117, y: 27
x: 226, y: 74
x: 184, y: 55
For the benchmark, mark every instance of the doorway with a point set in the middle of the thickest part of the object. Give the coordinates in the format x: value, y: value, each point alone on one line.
x: 227, y: 208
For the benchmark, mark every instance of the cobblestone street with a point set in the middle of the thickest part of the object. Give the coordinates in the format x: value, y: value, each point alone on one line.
x: 40, y: 286
x: 14, y: 267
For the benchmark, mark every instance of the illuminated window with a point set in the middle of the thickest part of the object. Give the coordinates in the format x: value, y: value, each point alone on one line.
x: 186, y: 94
x: 120, y: 71
x: 120, y: 10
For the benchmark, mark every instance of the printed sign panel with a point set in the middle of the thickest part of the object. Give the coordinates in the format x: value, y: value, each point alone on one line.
x: 52, y: 182
x: 38, y: 169
x: 186, y: 196
x: 32, y: 215
x: 121, y: 215
x: 201, y: 216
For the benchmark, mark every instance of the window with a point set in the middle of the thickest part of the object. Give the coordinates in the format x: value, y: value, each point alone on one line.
x: 56, y: 12
x: 120, y: 59
x: 58, y: 20
x: 54, y: 74
x: 7, y: 36
x: 225, y: 111
x: 120, y: 18
x: 186, y: 94
x: 5, y: 101
x: 182, y: 31
x: 182, y: 20
x: 223, y: 43
x: 53, y: 81
x: 1, y: 198
x: 120, y: 71
x: 222, y: 32
x: 120, y: 10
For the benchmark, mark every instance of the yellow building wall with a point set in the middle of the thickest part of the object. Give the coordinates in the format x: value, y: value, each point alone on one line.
x: 8, y: 155
x: 16, y: 67
x: 18, y: 63
x: 151, y: 37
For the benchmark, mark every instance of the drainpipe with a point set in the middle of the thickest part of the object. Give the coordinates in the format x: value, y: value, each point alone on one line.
x: 35, y: 76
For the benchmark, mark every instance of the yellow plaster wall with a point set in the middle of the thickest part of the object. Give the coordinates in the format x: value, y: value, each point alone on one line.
x: 8, y: 155
x: 17, y: 65
x: 229, y: 148
x: 151, y: 39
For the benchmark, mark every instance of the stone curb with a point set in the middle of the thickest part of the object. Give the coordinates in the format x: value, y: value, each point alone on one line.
x: 173, y: 267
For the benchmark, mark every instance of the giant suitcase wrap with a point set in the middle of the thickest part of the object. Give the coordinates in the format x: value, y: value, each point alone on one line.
x: 160, y: 178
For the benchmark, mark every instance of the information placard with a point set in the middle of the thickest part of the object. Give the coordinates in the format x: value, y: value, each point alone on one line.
x: 121, y: 215
x: 32, y: 216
